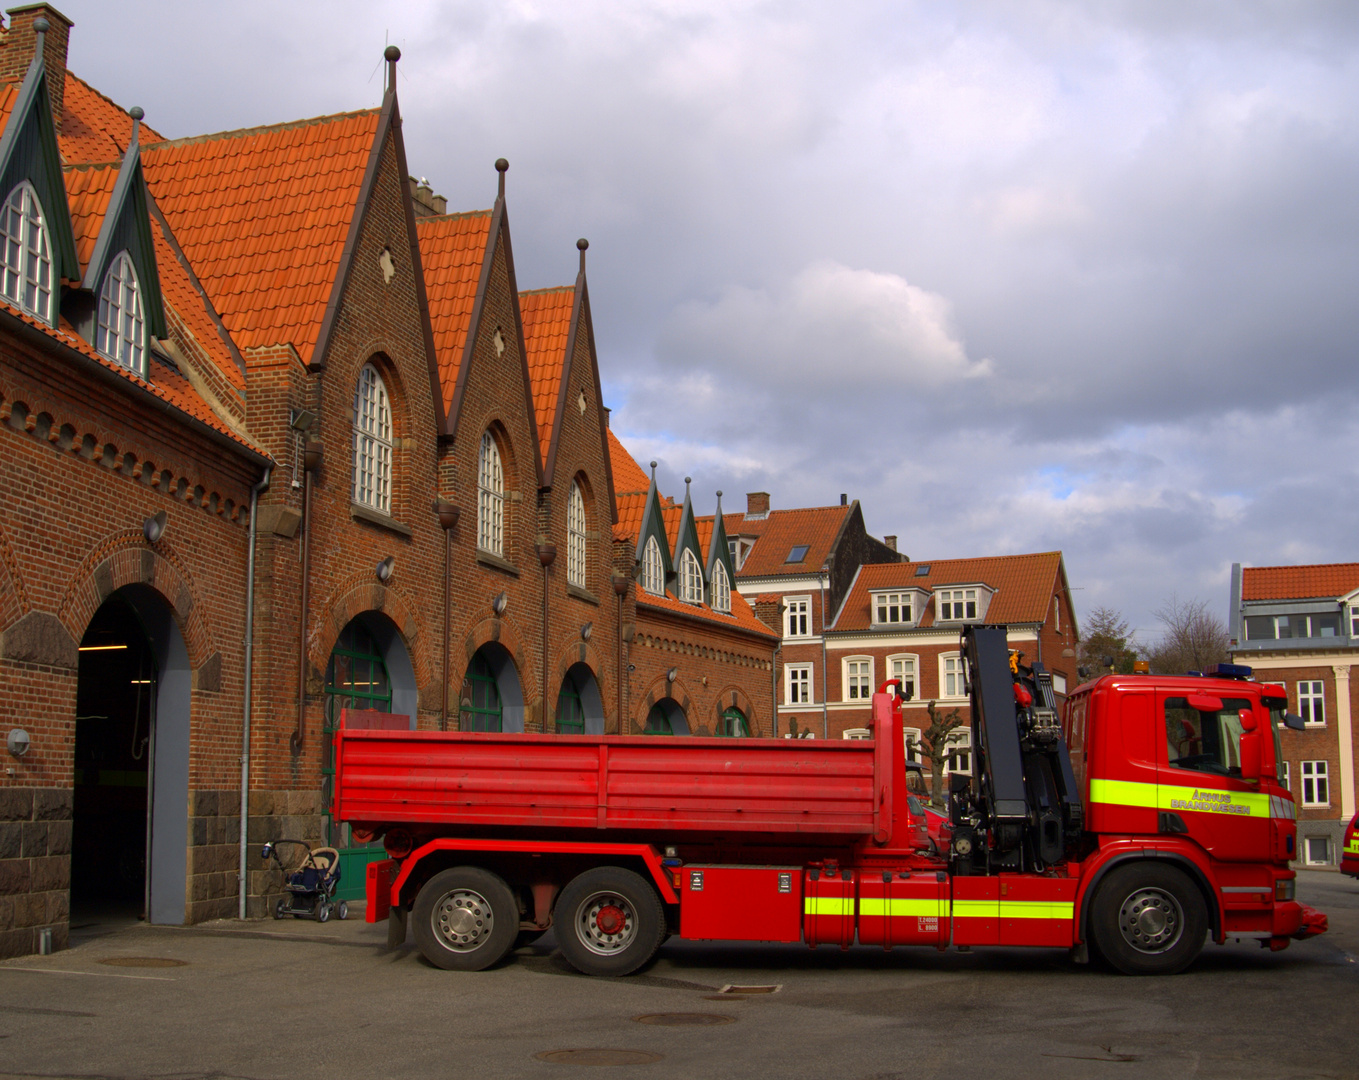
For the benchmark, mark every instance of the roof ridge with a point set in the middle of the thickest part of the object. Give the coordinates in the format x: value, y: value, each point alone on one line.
x: 973, y: 558
x: 1301, y: 566
x: 242, y: 133
x: 100, y: 94
x: 454, y: 216
x: 89, y: 166
x: 547, y: 289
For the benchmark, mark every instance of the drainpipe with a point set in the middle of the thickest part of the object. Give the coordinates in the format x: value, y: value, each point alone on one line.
x: 620, y: 589
x: 825, y: 687
x: 774, y: 689
x: 547, y: 553
x: 249, y: 681
x: 310, y: 462
x: 448, y: 517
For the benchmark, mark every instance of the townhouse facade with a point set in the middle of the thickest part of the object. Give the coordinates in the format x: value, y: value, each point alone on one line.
x: 1298, y: 627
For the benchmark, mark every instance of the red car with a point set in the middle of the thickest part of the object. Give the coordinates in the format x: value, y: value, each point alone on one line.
x: 937, y: 826
x: 1349, y: 858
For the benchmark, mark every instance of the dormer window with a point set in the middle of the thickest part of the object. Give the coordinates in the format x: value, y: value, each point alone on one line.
x: 892, y: 608
x: 691, y: 579
x: 740, y: 549
x: 27, y: 280
x: 721, y: 589
x: 653, y: 568
x: 956, y: 604
x: 120, y: 331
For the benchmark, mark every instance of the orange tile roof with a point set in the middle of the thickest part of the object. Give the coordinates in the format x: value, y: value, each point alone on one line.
x: 1322, y: 581
x: 9, y: 94
x: 546, y: 314
x: 629, y: 478
x: 452, y: 249
x: 631, y: 510
x: 262, y: 215
x: 1024, y: 586
x: 777, y: 535
x: 742, y: 615
x: 88, y: 190
x: 95, y: 130
x: 180, y: 295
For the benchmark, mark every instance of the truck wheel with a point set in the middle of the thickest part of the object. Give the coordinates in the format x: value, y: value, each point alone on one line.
x: 1149, y: 919
x: 465, y: 919
x: 609, y: 921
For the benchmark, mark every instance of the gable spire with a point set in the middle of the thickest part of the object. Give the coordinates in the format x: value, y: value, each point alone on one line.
x: 502, y: 167
x: 582, y: 244
x: 391, y: 54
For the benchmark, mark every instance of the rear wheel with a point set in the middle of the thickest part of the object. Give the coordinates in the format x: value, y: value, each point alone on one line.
x: 342, y: 909
x: 280, y: 909
x: 1149, y: 919
x: 465, y: 919
x: 609, y: 921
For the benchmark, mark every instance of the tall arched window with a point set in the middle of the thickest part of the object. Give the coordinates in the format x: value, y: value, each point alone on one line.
x: 27, y: 271
x: 691, y: 579
x: 372, y: 442
x: 575, y: 537
x: 653, y: 569
x: 490, y: 498
x: 721, y: 588
x: 120, y: 330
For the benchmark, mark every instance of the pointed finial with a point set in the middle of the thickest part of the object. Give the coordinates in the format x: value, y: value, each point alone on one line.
x: 653, y: 470
x: 391, y: 54
x: 581, y: 246
x: 719, y: 494
x: 40, y: 28
x: 136, y: 113
x: 501, y: 165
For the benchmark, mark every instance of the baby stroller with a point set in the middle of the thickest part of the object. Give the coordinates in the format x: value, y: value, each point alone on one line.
x: 311, y: 885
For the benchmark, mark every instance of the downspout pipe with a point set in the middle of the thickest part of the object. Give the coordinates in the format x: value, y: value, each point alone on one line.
x: 298, y: 739
x: 249, y: 682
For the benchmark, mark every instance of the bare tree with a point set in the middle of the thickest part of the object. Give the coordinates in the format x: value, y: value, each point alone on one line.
x: 934, y: 742
x: 1194, y: 638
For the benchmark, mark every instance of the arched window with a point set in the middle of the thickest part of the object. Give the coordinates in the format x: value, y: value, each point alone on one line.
x: 721, y: 588
x: 691, y: 579
x: 575, y: 537
x: 372, y: 442
x: 490, y: 498
x: 28, y: 256
x: 653, y: 569
x: 733, y: 724
x: 120, y: 330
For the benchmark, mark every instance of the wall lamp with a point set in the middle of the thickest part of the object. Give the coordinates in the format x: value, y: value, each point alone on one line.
x: 17, y: 742
x: 385, y: 569
x: 672, y: 675
x: 499, y: 604
x: 153, y: 528
x: 586, y: 631
x: 300, y: 419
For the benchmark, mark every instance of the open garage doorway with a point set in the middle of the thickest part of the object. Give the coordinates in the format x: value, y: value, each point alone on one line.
x: 580, y: 710
x: 491, y: 698
x: 130, y: 808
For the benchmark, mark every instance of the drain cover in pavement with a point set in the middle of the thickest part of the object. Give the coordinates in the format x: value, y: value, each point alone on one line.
x: 598, y: 1056
x: 143, y: 962
x: 684, y: 1019
x: 733, y: 989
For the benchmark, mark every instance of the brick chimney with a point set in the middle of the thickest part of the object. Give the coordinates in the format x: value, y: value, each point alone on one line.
x: 19, y: 44
x: 769, y: 610
x: 890, y: 541
x: 757, y: 504
x: 427, y: 204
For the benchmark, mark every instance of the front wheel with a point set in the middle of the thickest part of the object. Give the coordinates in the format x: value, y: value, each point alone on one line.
x: 465, y: 919
x: 280, y: 909
x: 609, y: 921
x: 342, y: 910
x: 1149, y: 919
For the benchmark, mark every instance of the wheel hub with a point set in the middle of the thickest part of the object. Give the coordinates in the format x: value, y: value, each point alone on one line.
x: 610, y: 919
x: 1151, y: 920
x: 463, y: 920
x: 607, y: 923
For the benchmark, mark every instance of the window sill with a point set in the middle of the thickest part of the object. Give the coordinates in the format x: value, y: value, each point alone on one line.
x: 382, y: 521
x: 495, y: 562
x: 582, y: 594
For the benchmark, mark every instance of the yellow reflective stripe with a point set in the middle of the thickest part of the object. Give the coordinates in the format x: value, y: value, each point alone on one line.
x: 1167, y: 797
x: 1353, y: 847
x: 827, y: 905
x: 1037, y: 909
x: 903, y: 907
x: 976, y: 909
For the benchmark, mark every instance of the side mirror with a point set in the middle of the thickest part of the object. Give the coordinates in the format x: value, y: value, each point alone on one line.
x: 1205, y: 702
x: 1247, y: 718
x: 1250, y: 755
x: 1294, y: 722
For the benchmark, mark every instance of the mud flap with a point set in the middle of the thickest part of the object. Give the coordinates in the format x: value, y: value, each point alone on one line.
x: 396, y: 927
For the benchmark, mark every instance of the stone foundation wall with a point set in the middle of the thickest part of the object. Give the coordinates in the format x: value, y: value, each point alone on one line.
x: 278, y: 815
x: 214, y: 855
x: 35, y: 868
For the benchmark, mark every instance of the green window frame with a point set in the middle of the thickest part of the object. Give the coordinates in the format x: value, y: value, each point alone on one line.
x: 733, y: 724
x: 480, y: 708
x: 570, y: 711
x: 356, y: 678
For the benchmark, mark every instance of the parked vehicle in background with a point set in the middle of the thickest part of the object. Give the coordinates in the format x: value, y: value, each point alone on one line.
x: 1349, y: 858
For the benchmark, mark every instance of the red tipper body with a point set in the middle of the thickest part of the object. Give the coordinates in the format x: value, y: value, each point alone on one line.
x: 1349, y: 857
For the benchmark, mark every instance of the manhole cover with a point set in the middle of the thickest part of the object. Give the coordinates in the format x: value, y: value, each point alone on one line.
x: 684, y: 1019
x: 733, y: 990
x: 143, y: 962
x: 598, y: 1056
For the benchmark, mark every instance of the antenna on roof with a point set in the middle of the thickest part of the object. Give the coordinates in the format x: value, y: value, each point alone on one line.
x: 136, y: 113
x: 501, y: 166
x: 581, y: 245
x: 391, y: 54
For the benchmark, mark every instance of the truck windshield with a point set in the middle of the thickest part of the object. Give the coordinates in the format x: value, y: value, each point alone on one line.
x: 1276, y: 723
x: 1205, y: 741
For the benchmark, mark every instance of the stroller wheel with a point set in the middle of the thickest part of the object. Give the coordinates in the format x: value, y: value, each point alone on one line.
x: 280, y: 909
x: 342, y: 910
x: 322, y: 911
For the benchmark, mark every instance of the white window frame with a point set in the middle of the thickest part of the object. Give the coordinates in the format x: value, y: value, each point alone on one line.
x: 1354, y: 618
x: 1287, y: 779
x: 910, y: 737
x: 26, y: 261
x: 958, y: 743
x: 577, y: 563
x: 884, y: 604
x: 1312, y: 702
x: 372, y: 442
x: 721, y: 589
x: 1307, y: 859
x: 856, y: 678
x: 951, y: 664
x: 653, y: 568
x: 120, y: 322
x: 895, y: 664
x: 951, y: 605
x: 799, y: 686
x: 690, y: 578
x: 1316, y: 783
x: 797, y: 616
x: 490, y: 497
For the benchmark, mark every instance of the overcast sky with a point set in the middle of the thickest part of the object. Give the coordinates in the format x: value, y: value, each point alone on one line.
x: 1018, y: 276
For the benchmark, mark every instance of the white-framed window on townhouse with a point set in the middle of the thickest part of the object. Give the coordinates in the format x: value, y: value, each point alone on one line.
x: 576, y: 546
x: 904, y: 668
x: 120, y: 326
x: 858, y: 678
x: 797, y: 616
x: 891, y: 609
x: 721, y: 589
x: 653, y: 568
x: 691, y: 578
x: 372, y: 442
x: 1316, y: 850
x: 911, y: 743
x: 959, y: 748
x: 956, y: 604
x: 490, y: 497
x: 1312, y: 702
x: 1354, y: 618
x: 951, y: 681
x: 1316, y: 783
x: 26, y: 276
x: 797, y: 682
x: 1285, y: 776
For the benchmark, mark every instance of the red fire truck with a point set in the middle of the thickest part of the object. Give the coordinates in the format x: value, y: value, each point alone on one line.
x: 1144, y: 819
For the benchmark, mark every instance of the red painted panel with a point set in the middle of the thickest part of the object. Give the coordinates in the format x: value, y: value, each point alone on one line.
x: 902, y: 910
x: 378, y: 889
x: 741, y: 903
x: 976, y: 911
x: 1037, y: 910
x: 828, y: 907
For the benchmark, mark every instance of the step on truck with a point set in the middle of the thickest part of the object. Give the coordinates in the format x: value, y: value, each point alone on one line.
x: 1144, y: 818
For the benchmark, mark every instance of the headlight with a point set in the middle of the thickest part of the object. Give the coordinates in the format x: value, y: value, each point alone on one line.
x: 1283, y: 888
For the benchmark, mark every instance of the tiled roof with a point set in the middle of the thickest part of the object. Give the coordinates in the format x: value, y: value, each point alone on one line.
x: 95, y: 130
x: 631, y: 510
x: 1299, y: 582
x: 9, y: 94
x: 742, y: 616
x: 263, y: 215
x: 629, y: 478
x: 88, y: 190
x: 1024, y: 586
x: 783, y: 530
x: 452, y: 249
x: 546, y: 315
